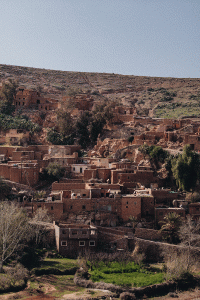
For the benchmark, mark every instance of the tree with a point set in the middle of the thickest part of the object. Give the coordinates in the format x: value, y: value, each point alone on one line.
x: 39, y: 224
x: 189, y: 234
x: 82, y: 129
x: 180, y: 262
x: 5, y: 189
x: 172, y: 223
x: 65, y: 123
x: 185, y: 169
x: 55, y: 171
x: 14, y: 228
x: 7, y: 96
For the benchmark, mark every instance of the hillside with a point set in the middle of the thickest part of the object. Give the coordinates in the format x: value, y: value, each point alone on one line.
x: 152, y: 96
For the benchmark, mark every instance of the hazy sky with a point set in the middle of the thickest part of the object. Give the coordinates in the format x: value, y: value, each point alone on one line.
x: 130, y: 37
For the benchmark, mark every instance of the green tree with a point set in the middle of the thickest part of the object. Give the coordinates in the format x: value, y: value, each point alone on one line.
x: 55, y: 171
x: 185, y: 169
x: 171, y: 226
x: 65, y: 123
x: 7, y: 96
x: 82, y: 129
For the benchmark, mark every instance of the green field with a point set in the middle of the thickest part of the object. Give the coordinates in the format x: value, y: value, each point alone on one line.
x: 130, y: 275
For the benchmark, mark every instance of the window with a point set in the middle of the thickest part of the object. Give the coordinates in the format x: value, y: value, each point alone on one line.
x: 84, y: 195
x: 70, y: 207
x: 51, y: 207
x: 73, y: 169
x: 63, y: 231
x: 74, y: 232
x: 92, y: 243
x: 84, y: 232
x: 102, y: 194
x: 23, y: 103
x: 83, y: 206
x: 38, y: 101
x: 128, y: 177
x: 126, y: 206
x: 81, y: 170
x: 82, y: 243
x: 63, y: 243
x: 135, y: 203
x: 127, y: 202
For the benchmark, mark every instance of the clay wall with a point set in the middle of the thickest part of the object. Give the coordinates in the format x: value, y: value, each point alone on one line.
x: 76, y: 240
x: 144, y: 177
x: 24, y: 155
x: 104, y: 174
x: 77, y: 206
x: 164, y: 196
x: 7, y: 151
x: 66, y: 194
x: 147, y: 207
x: 193, y: 140
x: 113, y: 237
x: 130, y: 206
x: 194, y: 210
x: 15, y: 174
x: 148, y: 234
x: 55, y: 209
x: 5, y: 171
x: 89, y: 173
x: 67, y: 186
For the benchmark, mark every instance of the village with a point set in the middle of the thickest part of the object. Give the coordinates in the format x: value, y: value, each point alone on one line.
x: 111, y: 195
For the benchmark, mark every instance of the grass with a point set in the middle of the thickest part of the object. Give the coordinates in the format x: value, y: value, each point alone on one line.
x: 59, y: 263
x: 177, y: 110
x: 130, y: 275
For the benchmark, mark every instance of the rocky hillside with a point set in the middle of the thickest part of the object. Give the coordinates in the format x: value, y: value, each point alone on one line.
x: 152, y: 96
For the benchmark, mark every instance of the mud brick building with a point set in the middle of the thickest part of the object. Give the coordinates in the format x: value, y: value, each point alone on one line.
x: 161, y: 212
x: 194, y: 210
x: 74, y: 239
x: 32, y: 99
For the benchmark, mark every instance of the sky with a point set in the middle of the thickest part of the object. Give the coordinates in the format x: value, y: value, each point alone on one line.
x: 131, y: 37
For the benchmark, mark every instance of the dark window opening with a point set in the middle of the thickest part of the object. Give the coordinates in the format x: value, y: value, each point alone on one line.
x: 80, y: 170
x: 81, y: 243
x: 38, y: 101
x: 83, y: 206
x: 92, y: 243
x: 107, y: 194
x: 51, y: 207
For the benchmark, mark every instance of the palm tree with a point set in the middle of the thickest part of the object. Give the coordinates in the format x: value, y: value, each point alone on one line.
x: 172, y: 223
